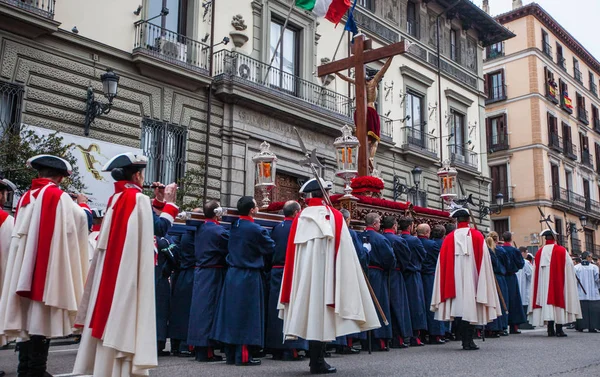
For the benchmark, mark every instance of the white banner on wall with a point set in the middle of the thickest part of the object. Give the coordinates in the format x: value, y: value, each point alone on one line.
x: 91, y: 155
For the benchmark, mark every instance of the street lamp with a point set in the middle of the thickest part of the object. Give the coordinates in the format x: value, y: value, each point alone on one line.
x: 487, y: 210
x: 448, y: 185
x: 401, y: 189
x: 572, y: 227
x: 266, y: 167
x: 346, y: 147
x: 110, y: 85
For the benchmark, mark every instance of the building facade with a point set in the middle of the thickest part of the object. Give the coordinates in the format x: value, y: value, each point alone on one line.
x: 543, y: 129
x: 173, y: 96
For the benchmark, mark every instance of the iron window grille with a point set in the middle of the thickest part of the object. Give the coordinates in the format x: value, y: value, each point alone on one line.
x: 165, y: 145
x: 11, y: 99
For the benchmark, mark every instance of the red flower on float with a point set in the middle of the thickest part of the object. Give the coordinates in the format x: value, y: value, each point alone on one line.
x: 366, y: 183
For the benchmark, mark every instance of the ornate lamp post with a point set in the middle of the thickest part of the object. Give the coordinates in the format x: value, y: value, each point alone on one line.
x: 448, y: 184
x: 110, y: 85
x: 266, y: 166
x: 346, y: 147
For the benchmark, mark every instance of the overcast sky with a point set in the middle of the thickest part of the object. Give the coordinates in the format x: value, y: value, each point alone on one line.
x: 579, y: 17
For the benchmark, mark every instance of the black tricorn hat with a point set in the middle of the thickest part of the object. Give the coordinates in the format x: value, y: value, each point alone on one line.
x: 124, y: 160
x: 312, y: 185
x: 460, y: 212
x: 5, y: 184
x: 43, y: 161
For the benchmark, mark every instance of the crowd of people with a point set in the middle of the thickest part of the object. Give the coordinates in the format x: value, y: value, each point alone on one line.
x: 128, y: 281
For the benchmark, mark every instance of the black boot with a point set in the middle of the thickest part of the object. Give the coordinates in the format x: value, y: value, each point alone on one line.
x: 317, y: 364
x: 160, y: 346
x: 559, y: 331
x: 38, y: 356
x: 467, y: 332
x: 24, y: 349
x: 551, y: 328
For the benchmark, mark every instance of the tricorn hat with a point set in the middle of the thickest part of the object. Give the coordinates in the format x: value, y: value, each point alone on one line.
x: 124, y: 160
x: 5, y: 184
x: 43, y: 161
x: 548, y: 232
x: 312, y: 185
x: 460, y: 212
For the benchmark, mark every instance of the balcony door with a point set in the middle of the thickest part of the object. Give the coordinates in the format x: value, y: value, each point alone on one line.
x: 555, y: 182
x: 497, y: 133
x: 458, y: 134
x: 284, y: 71
x: 586, y: 194
x: 175, y: 21
x: 499, y: 181
x: 416, y: 125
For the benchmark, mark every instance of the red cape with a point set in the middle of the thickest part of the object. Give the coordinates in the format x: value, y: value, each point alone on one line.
x: 290, y: 255
x: 556, y: 288
x: 447, y: 257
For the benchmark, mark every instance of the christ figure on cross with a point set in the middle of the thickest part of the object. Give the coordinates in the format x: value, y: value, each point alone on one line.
x: 372, y: 79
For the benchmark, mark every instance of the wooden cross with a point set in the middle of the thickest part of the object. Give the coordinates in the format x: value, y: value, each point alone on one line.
x: 362, y: 54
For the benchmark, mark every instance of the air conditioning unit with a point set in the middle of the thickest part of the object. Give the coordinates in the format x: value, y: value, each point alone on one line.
x: 172, y: 49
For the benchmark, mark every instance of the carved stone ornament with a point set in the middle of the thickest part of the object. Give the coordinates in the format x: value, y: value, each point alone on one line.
x: 238, y: 36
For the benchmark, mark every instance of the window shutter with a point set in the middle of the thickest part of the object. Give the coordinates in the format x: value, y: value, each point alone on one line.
x: 503, y: 83
x: 488, y: 130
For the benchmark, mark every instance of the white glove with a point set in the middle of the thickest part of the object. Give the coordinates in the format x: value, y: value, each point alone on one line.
x: 367, y: 246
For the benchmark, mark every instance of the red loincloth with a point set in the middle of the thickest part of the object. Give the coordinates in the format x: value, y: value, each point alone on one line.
x: 373, y: 123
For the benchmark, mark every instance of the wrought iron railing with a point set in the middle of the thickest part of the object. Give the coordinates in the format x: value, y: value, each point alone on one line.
x: 583, y: 115
x: 506, y: 191
x: 569, y: 198
x: 555, y: 142
x: 577, y: 74
x: 575, y: 245
x: 387, y: 127
x: 593, y: 206
x: 170, y: 46
x: 562, y: 62
x: 496, y: 93
x: 461, y: 155
x: 11, y: 100
x: 165, y: 146
x: 498, y: 142
x: 547, y: 49
x: 570, y: 150
x: 587, y: 158
x: 44, y: 8
x: 494, y: 51
x: 238, y: 66
x: 416, y: 138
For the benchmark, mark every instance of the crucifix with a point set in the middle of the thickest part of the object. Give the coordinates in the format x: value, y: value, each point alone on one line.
x: 362, y: 53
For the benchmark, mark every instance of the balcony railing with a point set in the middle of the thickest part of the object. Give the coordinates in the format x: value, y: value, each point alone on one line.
x: 495, y: 51
x: 562, y: 62
x: 587, y: 158
x: 547, y: 49
x: 387, y: 127
x: 555, y: 142
x: 243, y: 68
x: 496, y: 93
x: 415, y: 138
x: 463, y: 156
x: 170, y: 46
x: 569, y: 198
x: 497, y: 142
x: 594, y: 88
x: 570, y: 150
x: 506, y: 191
x: 44, y: 8
x: 575, y: 246
x: 577, y: 75
x: 596, y: 122
x: 583, y: 115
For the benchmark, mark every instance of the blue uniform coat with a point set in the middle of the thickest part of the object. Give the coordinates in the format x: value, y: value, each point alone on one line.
x: 381, y: 262
x: 240, y: 315
x: 516, y: 314
x: 182, y: 283
x: 401, y: 323
x: 432, y: 247
x: 499, y: 260
x: 414, y: 283
x: 210, y: 251
x: 274, y: 337
x: 162, y: 286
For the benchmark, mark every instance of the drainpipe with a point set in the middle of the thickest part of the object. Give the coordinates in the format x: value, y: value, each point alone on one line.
x: 209, y: 99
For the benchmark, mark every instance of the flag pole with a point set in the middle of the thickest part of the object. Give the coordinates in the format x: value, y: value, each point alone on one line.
x: 338, y: 45
x: 280, y: 38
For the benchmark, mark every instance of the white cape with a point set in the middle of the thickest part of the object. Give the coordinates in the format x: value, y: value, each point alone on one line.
x: 67, y: 268
x: 308, y: 314
x: 6, y: 230
x: 128, y: 345
x: 572, y: 310
x: 476, y: 298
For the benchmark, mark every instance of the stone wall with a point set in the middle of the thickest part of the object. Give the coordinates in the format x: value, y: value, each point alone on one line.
x: 57, y: 72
